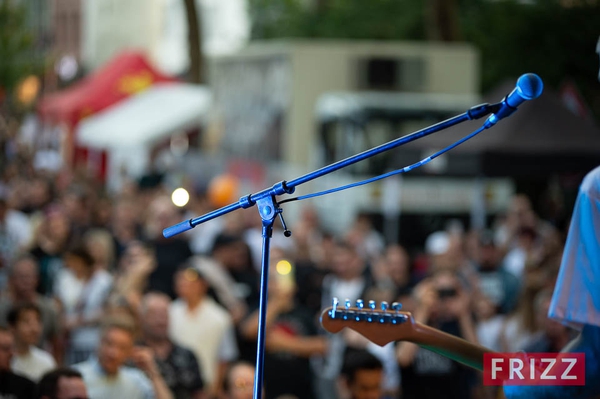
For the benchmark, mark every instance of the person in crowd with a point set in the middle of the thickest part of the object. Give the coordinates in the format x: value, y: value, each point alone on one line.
x: 311, y: 273
x: 107, y: 375
x: 82, y: 320
x: 199, y: 323
x: 125, y: 226
x: 362, y: 375
x: 62, y: 383
x: 553, y: 335
x: 13, y: 386
x: 446, y: 251
x: 365, y: 238
x: 40, y: 193
x: 520, y: 216
x: 170, y: 253
x: 25, y: 322
x: 101, y: 247
x: 15, y: 232
x: 238, y: 381
x: 233, y: 256
x: 307, y: 235
x: 520, y: 326
x: 349, y: 279
x: 177, y: 365
x: 291, y: 336
x: 393, y: 281
x: 76, y: 201
x: 102, y: 212
x: 51, y: 239
x: 489, y: 322
x: 442, y: 302
x: 131, y: 278
x: 202, y: 237
x: 495, y: 282
x: 22, y: 283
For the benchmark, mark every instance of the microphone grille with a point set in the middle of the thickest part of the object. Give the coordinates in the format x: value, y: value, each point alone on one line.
x: 530, y: 86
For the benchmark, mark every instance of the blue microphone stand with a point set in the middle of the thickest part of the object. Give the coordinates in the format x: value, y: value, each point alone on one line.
x: 269, y: 209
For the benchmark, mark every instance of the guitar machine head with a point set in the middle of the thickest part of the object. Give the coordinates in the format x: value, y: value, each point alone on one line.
x: 381, y: 324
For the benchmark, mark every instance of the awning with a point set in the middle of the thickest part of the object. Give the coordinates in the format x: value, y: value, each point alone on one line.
x: 127, y: 74
x: 147, y: 118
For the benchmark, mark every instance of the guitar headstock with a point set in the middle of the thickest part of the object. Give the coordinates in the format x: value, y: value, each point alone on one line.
x: 380, y: 324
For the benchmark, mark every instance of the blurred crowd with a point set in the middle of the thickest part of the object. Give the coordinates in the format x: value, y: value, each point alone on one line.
x: 90, y: 289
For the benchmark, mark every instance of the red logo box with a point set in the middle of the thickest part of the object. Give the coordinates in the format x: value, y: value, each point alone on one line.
x: 534, y: 369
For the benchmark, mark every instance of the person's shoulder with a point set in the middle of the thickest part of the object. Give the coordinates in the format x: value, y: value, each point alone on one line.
x: 217, y: 312
x: 591, y: 182
x: 18, y: 379
x: 103, y: 276
x: 181, y: 352
x: 133, y: 373
x: 177, y: 305
x: 42, y: 355
x: 86, y: 368
x: 46, y: 305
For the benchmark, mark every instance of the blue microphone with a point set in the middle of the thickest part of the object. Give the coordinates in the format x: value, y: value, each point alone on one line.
x: 529, y: 87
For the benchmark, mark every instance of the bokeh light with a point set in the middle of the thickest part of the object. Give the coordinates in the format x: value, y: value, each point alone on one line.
x: 223, y: 190
x: 180, y: 197
x: 283, y: 267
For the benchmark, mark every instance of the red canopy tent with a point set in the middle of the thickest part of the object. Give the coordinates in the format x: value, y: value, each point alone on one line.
x: 127, y: 74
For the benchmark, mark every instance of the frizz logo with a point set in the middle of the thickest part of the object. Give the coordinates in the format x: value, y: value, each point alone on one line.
x: 534, y: 369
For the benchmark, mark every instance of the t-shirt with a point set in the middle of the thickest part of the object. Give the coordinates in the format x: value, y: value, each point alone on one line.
x: 297, y: 378
x: 34, y: 364
x: 170, y: 254
x: 576, y: 299
x: 129, y: 383
x: 433, y: 376
x: 13, y: 386
x: 207, y: 331
x: 501, y: 287
x: 181, y: 372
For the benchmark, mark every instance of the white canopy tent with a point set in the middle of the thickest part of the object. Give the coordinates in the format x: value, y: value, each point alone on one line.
x: 129, y: 129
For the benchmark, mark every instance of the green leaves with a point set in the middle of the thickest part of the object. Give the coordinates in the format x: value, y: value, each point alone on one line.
x: 336, y: 19
x: 16, y: 45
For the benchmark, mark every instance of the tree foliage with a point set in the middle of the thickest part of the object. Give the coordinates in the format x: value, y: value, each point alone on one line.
x: 16, y: 45
x: 338, y: 19
x: 556, y: 39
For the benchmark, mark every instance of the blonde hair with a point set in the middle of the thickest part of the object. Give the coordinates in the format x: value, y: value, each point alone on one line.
x: 119, y: 321
x: 104, y: 238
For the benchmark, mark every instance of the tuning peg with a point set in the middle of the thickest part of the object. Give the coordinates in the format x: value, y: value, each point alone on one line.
x: 360, y: 304
x: 384, y: 306
x: 396, y: 306
x: 372, y: 305
x: 334, y: 305
x: 348, y: 303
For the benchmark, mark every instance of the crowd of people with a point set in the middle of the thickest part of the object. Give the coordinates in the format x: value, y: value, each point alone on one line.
x: 96, y: 303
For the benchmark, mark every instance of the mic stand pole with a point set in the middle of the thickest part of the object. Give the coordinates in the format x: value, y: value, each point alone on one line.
x: 269, y: 209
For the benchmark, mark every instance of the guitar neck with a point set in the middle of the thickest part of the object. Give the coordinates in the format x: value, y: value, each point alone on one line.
x: 449, y: 345
x: 382, y: 327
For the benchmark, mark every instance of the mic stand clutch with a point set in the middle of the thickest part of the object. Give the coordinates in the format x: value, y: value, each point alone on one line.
x: 269, y: 209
